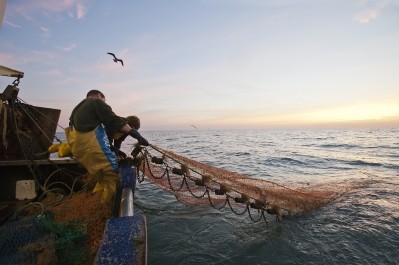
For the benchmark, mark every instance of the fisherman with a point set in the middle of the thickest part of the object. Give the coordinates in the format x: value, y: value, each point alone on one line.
x: 116, y: 138
x: 90, y: 145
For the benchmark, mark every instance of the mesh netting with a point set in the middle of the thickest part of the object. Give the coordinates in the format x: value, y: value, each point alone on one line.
x: 86, y: 208
x: 69, y: 232
x: 196, y: 183
x: 26, y: 241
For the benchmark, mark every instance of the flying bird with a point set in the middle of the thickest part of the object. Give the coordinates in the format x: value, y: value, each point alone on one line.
x: 115, y: 59
x: 194, y: 127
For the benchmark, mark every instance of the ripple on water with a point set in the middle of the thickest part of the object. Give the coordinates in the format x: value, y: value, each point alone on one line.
x: 361, y: 227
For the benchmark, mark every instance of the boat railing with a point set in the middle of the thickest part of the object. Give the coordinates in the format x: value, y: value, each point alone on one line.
x: 125, y: 234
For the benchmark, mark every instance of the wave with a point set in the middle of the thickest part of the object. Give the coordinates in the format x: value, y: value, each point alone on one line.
x: 346, y: 146
x: 363, y: 163
x: 283, y: 161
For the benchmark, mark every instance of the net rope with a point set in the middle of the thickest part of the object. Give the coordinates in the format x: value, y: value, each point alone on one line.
x: 196, y: 183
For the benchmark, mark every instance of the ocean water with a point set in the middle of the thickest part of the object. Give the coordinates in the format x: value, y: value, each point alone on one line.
x: 360, y: 227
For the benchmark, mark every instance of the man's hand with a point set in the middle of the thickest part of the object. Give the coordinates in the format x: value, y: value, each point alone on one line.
x: 143, y: 141
x: 120, y: 153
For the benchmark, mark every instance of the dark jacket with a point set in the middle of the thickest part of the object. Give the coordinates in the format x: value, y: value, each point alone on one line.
x: 90, y: 113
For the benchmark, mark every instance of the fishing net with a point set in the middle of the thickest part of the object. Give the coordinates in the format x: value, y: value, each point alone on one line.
x: 26, y: 241
x: 68, y: 229
x: 196, y: 183
x: 69, y: 232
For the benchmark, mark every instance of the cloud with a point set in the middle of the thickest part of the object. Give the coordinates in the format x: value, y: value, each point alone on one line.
x: 367, y: 16
x: 80, y: 10
x: 52, y: 73
x: 259, y: 2
x: 25, y: 58
x: 70, y: 47
x: 11, y: 24
x: 371, y: 14
x: 28, y: 9
x: 45, y: 30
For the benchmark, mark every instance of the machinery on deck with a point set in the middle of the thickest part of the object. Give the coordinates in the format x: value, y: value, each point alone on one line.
x: 30, y: 176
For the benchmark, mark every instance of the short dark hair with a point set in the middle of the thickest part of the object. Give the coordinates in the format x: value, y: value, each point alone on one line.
x: 133, y: 122
x: 94, y: 92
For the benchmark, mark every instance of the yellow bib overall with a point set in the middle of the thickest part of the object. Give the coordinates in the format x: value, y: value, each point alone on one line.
x: 92, y: 150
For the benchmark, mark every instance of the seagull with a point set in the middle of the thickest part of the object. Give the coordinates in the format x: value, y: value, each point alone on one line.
x: 115, y: 59
x: 194, y: 127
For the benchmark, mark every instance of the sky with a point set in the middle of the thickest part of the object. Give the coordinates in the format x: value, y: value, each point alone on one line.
x: 215, y: 64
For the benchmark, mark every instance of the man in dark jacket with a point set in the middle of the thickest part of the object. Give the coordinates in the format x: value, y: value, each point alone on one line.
x: 90, y: 145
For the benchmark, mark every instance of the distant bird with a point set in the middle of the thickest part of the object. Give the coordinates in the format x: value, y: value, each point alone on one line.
x: 194, y: 127
x: 115, y: 59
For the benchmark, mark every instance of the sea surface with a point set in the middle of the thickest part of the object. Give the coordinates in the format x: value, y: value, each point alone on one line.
x: 360, y: 227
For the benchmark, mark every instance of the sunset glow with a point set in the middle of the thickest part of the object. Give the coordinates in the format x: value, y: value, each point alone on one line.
x: 218, y: 64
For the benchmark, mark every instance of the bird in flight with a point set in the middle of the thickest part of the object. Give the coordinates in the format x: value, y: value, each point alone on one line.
x: 115, y: 59
x: 194, y: 127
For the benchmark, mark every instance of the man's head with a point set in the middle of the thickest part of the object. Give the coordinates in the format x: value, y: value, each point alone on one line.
x: 133, y: 122
x: 96, y: 94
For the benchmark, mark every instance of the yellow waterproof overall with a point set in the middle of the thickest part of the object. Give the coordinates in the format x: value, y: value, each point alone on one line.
x: 92, y: 150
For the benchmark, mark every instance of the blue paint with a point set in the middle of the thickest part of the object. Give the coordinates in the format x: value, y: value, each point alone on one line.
x: 103, y: 140
x: 128, y: 176
x: 124, y: 241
